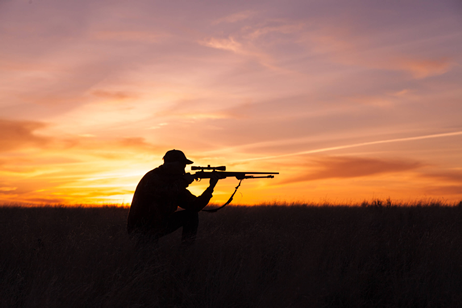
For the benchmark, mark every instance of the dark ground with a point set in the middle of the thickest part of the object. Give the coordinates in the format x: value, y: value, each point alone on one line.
x: 273, y: 256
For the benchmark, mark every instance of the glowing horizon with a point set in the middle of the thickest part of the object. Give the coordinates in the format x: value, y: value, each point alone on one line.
x: 348, y: 101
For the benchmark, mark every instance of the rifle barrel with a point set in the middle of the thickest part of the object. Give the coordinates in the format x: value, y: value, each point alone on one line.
x: 237, y: 174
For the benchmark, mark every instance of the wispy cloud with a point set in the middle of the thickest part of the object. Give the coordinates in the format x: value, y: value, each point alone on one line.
x: 351, y: 167
x: 224, y: 43
x: 341, y: 147
x: 137, y: 143
x: 200, y: 108
x: 447, y: 176
x: 346, y: 45
x: 252, y: 41
x: 113, y: 95
x: 280, y: 26
x: 19, y: 134
x: 425, y: 68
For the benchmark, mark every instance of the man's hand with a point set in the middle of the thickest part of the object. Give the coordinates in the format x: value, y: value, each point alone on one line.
x: 213, y: 180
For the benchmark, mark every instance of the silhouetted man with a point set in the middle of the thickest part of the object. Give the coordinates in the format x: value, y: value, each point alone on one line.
x: 153, y: 212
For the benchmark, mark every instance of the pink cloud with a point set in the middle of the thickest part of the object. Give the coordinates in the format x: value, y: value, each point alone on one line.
x: 425, y: 67
x: 280, y: 26
x: 448, y: 176
x: 225, y: 43
x: 357, y: 47
x: 19, y: 134
x: 351, y: 167
x: 115, y: 95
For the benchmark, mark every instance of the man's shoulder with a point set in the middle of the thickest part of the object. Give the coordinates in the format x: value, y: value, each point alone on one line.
x: 153, y: 172
x: 161, y: 176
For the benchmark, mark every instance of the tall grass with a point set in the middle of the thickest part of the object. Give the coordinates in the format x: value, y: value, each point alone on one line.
x: 261, y: 256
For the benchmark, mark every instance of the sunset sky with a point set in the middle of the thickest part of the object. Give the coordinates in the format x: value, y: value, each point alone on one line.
x: 348, y: 100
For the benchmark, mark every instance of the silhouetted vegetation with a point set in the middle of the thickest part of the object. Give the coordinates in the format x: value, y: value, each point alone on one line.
x: 374, y: 255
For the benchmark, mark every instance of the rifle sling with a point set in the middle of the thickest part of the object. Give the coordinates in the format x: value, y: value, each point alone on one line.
x: 227, y: 202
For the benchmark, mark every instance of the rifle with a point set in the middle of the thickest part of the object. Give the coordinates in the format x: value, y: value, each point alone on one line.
x: 222, y: 174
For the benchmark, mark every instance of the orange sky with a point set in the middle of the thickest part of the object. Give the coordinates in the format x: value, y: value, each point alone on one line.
x: 348, y: 100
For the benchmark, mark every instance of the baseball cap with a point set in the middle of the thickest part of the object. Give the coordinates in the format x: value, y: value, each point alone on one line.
x: 176, y: 155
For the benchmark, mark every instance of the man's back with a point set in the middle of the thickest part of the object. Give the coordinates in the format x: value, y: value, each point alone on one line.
x: 154, y: 199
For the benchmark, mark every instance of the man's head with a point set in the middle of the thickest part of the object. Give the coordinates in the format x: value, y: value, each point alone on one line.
x: 175, y: 163
x: 176, y: 156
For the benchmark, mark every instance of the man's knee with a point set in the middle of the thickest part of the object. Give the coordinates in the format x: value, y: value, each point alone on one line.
x: 191, y: 217
x: 187, y: 216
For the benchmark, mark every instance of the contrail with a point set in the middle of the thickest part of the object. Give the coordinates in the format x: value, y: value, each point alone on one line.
x: 341, y: 147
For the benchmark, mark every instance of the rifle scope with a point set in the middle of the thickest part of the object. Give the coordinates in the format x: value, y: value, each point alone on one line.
x: 220, y: 168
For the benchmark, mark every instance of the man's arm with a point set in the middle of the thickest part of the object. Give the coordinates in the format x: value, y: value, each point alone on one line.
x: 192, y: 203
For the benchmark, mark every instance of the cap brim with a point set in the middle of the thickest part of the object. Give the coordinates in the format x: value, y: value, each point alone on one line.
x: 188, y: 162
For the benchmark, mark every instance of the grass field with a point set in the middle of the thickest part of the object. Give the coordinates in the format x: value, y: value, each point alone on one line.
x: 261, y: 256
